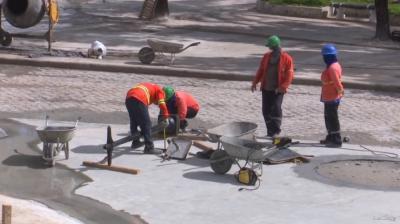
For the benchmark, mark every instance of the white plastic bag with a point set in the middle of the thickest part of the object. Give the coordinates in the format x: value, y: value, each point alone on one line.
x: 97, y: 50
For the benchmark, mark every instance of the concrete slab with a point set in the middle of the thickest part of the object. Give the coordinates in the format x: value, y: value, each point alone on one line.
x: 189, y: 192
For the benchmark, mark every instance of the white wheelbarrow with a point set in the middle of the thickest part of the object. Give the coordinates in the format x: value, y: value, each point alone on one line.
x: 55, y: 139
x: 147, y: 54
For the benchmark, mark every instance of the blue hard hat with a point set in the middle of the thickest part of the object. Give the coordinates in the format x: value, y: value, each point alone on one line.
x: 329, y: 49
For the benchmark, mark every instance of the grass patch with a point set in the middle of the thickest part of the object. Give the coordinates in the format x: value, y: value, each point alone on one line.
x: 394, y: 8
x: 300, y: 2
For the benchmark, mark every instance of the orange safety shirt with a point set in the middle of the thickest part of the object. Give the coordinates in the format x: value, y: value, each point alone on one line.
x: 149, y: 93
x: 183, y: 102
x: 285, y: 71
x: 332, y: 87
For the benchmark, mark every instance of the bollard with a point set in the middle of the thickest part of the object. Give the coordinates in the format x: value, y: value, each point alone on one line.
x: 6, y: 214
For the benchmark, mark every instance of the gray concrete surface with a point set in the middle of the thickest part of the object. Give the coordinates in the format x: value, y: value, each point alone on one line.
x: 231, y: 33
x: 189, y: 192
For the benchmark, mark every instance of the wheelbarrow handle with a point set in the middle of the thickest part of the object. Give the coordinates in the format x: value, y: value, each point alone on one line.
x: 46, y: 120
x: 77, y: 120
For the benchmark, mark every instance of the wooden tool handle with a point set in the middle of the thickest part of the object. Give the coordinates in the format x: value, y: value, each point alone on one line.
x: 113, y: 168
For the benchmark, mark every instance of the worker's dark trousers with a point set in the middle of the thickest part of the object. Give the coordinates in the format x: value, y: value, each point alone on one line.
x: 191, y: 113
x: 332, y: 122
x: 139, y: 116
x: 272, y: 111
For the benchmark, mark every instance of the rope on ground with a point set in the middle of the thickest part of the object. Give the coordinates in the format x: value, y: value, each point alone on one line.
x: 381, y: 153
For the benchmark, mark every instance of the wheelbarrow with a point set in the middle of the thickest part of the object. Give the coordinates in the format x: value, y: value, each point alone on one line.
x: 234, y: 129
x: 252, y: 152
x: 159, y: 47
x: 55, y: 139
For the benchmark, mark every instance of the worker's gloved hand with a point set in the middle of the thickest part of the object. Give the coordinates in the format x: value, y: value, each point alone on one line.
x: 165, y: 122
x: 253, y: 87
x: 279, y: 90
x: 183, y: 124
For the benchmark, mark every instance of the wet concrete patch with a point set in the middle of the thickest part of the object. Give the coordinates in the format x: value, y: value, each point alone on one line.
x: 365, y: 172
x: 23, y: 174
x: 368, y: 172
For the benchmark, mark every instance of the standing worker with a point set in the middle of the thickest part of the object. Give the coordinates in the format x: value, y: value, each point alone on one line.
x: 275, y: 74
x: 331, y: 94
x: 137, y: 101
x: 181, y: 103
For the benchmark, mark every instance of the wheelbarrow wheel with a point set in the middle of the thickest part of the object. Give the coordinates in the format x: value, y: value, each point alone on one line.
x: 5, y: 39
x: 52, y: 163
x: 221, y: 162
x: 66, y: 150
x: 146, y: 55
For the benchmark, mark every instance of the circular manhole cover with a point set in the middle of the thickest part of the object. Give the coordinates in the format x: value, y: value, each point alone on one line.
x: 372, y: 173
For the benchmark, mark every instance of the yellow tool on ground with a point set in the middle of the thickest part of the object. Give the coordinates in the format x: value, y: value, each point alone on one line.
x: 54, y: 14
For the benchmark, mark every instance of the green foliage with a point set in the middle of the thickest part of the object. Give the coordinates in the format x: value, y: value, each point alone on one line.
x: 301, y: 2
x: 394, y: 8
x: 356, y: 1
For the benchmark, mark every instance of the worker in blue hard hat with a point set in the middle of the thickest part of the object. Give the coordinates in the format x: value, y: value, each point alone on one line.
x: 275, y: 74
x: 331, y: 93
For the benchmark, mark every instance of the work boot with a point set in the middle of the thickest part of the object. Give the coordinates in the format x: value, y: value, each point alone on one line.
x: 204, y: 154
x: 333, y: 144
x: 326, y: 140
x: 332, y: 141
x: 149, y: 149
x: 136, y: 144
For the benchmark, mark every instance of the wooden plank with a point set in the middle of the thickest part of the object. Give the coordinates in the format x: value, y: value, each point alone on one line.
x: 202, y: 146
x: 112, y: 167
x: 6, y: 214
x: 193, y: 137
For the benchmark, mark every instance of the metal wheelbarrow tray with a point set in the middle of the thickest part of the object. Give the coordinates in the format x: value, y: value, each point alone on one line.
x: 236, y: 149
x: 233, y: 129
x: 147, y: 54
x: 55, y: 139
x: 56, y: 134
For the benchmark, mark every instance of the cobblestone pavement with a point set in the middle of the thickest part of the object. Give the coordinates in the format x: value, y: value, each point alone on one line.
x: 367, y: 117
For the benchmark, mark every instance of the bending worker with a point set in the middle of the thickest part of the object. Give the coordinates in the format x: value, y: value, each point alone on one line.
x: 181, y: 103
x: 275, y: 74
x: 137, y: 101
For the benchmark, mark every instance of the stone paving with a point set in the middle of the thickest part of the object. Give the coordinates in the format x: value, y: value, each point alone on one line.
x: 368, y: 117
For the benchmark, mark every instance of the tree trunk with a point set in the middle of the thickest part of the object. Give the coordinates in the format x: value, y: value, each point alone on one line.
x: 382, y: 20
x: 162, y: 9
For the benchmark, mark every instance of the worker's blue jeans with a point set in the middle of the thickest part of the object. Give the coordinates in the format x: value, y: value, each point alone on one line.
x: 272, y: 111
x: 139, y: 116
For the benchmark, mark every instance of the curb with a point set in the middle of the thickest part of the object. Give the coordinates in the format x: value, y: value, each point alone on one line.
x: 168, y: 71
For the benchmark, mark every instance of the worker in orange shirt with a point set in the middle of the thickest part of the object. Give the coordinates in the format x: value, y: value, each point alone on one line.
x: 181, y: 103
x: 275, y: 75
x: 137, y: 101
x: 331, y: 94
